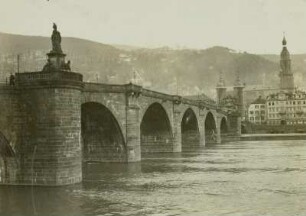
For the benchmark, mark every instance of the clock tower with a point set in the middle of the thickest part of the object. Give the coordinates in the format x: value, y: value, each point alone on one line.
x: 286, y: 75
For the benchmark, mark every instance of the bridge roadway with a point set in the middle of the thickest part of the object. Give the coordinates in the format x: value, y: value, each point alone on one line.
x: 52, y: 122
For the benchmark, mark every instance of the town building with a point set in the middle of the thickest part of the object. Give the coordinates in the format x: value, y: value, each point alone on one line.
x: 252, y: 92
x: 288, y: 105
x: 257, y: 111
x: 286, y: 108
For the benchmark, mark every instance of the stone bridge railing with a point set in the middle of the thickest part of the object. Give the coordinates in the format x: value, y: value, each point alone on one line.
x: 29, y: 77
x: 139, y: 90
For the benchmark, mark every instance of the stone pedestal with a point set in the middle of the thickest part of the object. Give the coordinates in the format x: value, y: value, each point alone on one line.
x: 57, y: 60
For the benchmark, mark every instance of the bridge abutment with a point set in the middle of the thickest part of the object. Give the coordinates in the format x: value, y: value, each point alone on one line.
x: 49, y: 148
x: 234, y: 126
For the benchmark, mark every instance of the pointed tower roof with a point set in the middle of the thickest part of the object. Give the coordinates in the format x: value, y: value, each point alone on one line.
x: 284, y: 41
x: 285, y: 53
x: 221, y: 82
x: 238, y: 82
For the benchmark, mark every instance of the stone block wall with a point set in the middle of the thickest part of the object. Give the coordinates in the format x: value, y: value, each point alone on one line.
x: 9, y: 117
x: 9, y: 114
x: 50, y: 140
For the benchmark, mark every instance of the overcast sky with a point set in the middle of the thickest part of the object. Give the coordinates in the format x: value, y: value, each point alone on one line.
x: 255, y: 26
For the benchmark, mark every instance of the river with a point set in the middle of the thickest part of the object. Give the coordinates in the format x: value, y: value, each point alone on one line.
x: 235, y: 178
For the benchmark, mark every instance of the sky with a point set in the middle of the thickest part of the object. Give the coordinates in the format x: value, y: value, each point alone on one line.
x: 254, y: 26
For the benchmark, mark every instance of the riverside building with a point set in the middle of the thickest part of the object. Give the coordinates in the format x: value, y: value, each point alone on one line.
x: 288, y: 105
x: 257, y: 111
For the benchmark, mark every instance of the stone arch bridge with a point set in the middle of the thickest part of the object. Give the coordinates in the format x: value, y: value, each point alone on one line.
x: 51, y: 122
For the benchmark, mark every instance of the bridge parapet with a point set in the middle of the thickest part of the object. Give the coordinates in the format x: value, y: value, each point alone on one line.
x: 139, y: 90
x: 59, y: 77
x: 105, y: 88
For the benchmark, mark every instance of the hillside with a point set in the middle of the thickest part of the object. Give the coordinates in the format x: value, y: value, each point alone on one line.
x: 194, y: 71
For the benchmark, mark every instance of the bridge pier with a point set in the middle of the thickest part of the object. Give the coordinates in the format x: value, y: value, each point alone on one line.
x: 218, y: 129
x: 218, y: 135
x: 234, y: 125
x: 202, y: 115
x: 177, y: 132
x: 133, y: 133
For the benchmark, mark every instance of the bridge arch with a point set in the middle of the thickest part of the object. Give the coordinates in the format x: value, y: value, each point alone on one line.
x: 190, y: 130
x: 210, y: 128
x: 155, y: 130
x: 102, y: 137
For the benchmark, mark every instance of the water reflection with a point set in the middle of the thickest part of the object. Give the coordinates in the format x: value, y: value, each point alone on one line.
x: 245, y: 178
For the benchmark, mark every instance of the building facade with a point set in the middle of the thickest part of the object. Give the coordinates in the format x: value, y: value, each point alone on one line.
x: 286, y: 108
x: 283, y: 106
x: 257, y: 111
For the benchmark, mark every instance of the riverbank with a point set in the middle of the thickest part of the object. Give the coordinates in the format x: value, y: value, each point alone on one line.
x: 288, y: 136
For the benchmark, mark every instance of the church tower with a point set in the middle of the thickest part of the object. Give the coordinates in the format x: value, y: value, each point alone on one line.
x: 286, y: 75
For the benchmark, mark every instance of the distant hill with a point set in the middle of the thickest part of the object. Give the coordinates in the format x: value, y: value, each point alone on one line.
x: 169, y: 70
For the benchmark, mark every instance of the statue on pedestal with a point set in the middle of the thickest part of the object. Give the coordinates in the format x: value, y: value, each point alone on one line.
x: 56, y: 40
x: 56, y: 57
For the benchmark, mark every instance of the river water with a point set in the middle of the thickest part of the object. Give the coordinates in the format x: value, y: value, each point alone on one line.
x: 236, y: 178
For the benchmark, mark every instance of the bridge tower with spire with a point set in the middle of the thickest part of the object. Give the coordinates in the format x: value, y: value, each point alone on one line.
x: 220, y: 88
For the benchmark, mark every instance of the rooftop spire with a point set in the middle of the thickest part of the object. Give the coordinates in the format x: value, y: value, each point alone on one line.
x: 284, y: 40
x: 238, y: 81
x: 221, y: 82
